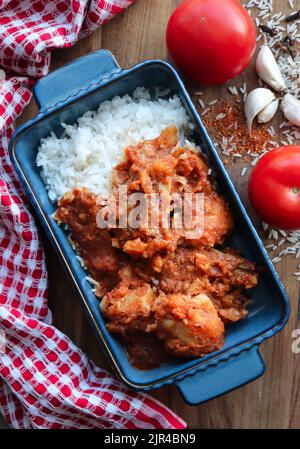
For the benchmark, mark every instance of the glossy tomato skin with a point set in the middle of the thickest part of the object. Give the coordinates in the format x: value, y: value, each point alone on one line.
x: 211, y: 41
x: 274, y: 187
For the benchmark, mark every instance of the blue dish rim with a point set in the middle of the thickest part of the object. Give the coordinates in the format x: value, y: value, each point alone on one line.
x: 199, y: 364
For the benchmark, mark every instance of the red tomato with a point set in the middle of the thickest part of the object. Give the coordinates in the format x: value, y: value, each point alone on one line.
x: 274, y: 187
x: 211, y: 41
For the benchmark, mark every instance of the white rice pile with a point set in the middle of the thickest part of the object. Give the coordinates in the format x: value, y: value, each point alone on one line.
x: 87, y: 151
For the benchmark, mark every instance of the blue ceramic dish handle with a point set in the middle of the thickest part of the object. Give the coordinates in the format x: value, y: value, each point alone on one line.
x: 223, y: 377
x: 94, y: 69
x: 80, y: 73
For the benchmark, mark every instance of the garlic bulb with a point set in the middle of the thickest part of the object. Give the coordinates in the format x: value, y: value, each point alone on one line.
x: 257, y: 100
x: 268, y: 112
x: 268, y: 69
x: 291, y: 109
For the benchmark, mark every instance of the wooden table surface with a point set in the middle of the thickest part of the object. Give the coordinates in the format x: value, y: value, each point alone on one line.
x: 273, y: 400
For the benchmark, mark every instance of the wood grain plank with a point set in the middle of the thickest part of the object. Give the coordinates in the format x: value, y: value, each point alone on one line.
x: 270, y: 402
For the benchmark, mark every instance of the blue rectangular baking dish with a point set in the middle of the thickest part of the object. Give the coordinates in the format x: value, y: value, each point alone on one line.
x: 63, y: 96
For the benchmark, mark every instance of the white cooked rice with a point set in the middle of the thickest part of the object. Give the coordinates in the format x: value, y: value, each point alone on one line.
x: 88, y: 150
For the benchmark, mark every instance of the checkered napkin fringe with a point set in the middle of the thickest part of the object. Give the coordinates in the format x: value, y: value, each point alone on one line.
x: 45, y: 380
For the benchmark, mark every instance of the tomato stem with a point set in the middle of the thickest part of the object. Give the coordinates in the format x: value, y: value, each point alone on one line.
x: 296, y: 189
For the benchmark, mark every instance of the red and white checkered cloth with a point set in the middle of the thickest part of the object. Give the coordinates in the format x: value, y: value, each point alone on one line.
x: 45, y: 380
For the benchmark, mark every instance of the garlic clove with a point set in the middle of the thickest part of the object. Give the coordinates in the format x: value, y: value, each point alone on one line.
x: 268, y: 112
x: 291, y: 109
x: 257, y: 100
x: 268, y: 69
